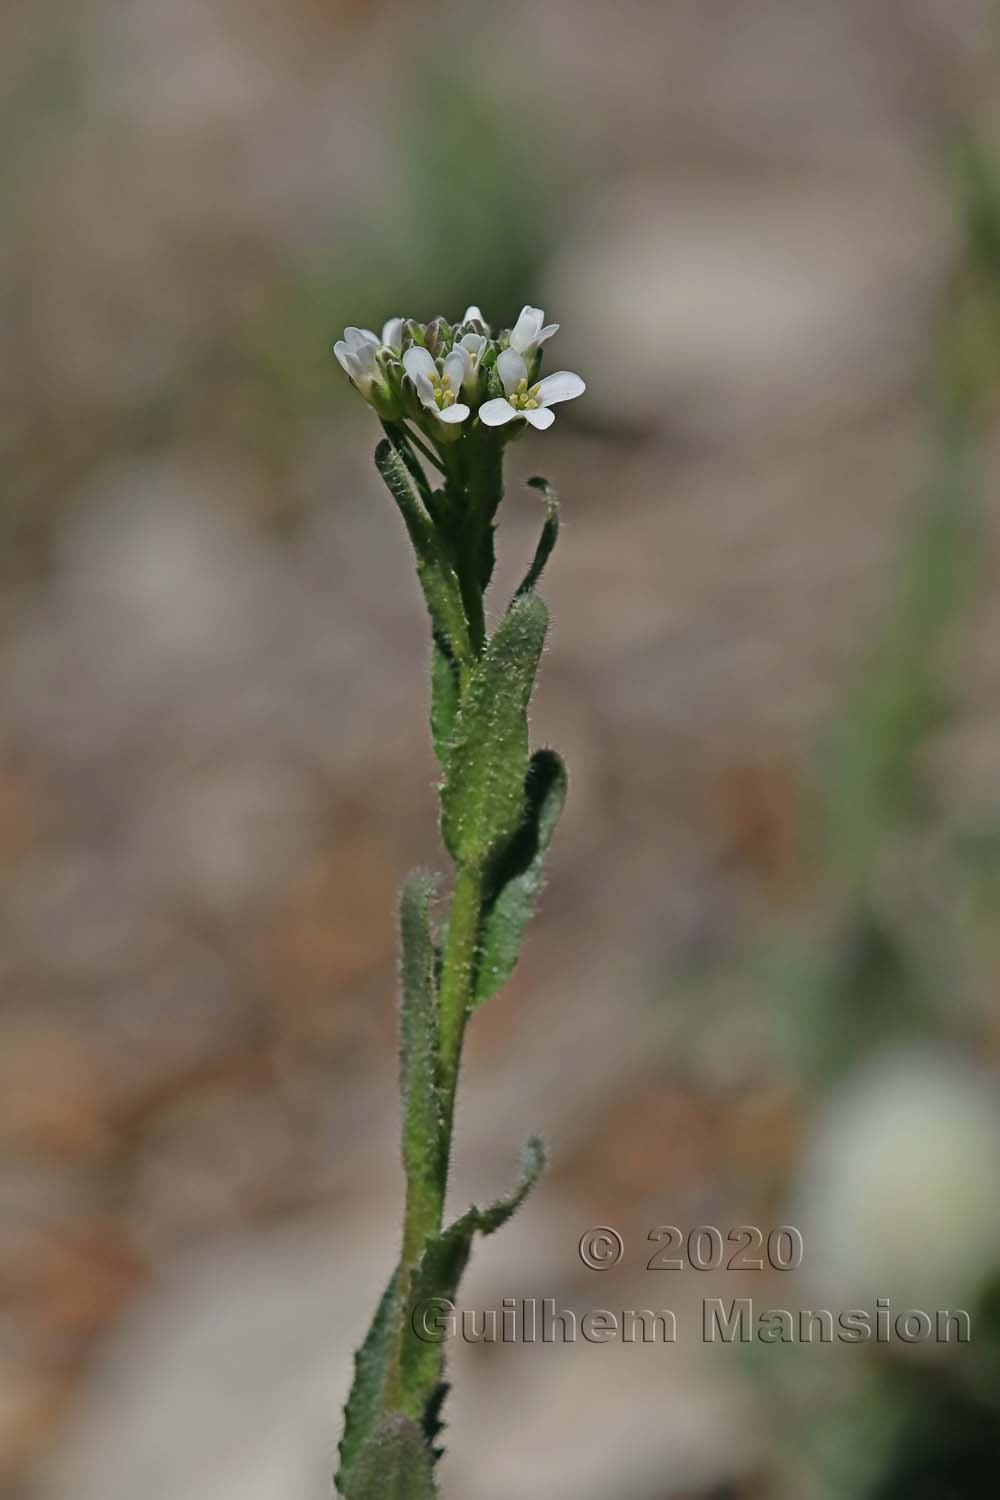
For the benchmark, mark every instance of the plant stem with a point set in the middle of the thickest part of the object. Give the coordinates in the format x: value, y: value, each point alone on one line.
x: 425, y: 450
x: 456, y: 989
x: 473, y: 492
x: 423, y: 1215
x: 479, y: 492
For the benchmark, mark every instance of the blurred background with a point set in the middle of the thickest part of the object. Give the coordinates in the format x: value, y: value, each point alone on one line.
x: 763, y: 986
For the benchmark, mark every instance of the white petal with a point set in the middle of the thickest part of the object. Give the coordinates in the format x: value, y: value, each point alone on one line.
x: 367, y: 357
x: 456, y: 413
x: 357, y: 336
x: 473, y: 315
x: 511, y: 369
x: 496, y: 413
x: 457, y: 367
x: 353, y: 366
x: 425, y: 391
x: 530, y: 319
x: 562, y: 385
x: 541, y: 417
x: 392, y: 332
x: 525, y: 331
x: 547, y: 332
x: 418, y: 361
x: 474, y: 344
x: 358, y: 363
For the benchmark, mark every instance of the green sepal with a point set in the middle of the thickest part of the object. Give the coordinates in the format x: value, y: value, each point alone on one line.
x: 483, y: 793
x: 423, y: 1157
x: 394, y: 1464
x: 548, y: 538
x: 516, y: 878
x: 444, y: 698
x: 438, y: 1275
x: 364, y: 1404
x: 437, y: 575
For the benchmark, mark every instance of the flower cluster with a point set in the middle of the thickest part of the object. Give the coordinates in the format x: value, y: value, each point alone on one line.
x: 452, y: 378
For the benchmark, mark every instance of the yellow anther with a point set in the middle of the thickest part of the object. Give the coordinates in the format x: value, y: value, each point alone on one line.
x: 531, y: 404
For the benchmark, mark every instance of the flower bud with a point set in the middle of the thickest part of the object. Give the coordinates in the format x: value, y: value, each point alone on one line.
x: 434, y: 335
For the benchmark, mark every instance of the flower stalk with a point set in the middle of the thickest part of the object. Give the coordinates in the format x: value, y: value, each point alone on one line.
x: 450, y: 398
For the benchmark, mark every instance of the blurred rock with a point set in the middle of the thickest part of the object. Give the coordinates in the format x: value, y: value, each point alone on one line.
x: 727, y: 307
x: 896, y: 1190
x: 227, y: 1381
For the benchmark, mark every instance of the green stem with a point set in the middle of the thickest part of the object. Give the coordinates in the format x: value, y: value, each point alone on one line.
x: 422, y: 1218
x: 473, y: 490
x: 455, y: 993
x: 472, y: 594
x: 425, y: 450
x: 423, y: 1214
x: 480, y: 492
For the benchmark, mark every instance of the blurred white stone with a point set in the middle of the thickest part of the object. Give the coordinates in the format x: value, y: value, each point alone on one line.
x: 897, y: 1193
x: 226, y: 1383
x: 731, y: 306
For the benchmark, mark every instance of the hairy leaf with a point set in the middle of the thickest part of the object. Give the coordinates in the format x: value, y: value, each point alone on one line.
x: 517, y: 876
x: 364, y: 1404
x: 482, y: 797
x: 431, y: 1421
x: 444, y: 698
x: 394, y: 1464
x: 548, y: 538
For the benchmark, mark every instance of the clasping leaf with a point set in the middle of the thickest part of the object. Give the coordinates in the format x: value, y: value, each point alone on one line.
x: 516, y: 878
x: 482, y: 797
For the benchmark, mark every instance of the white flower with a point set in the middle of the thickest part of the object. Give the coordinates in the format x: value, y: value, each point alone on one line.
x: 472, y: 314
x: 471, y: 347
x: 438, y: 389
x: 530, y: 402
x: 392, y: 333
x: 357, y: 354
x: 528, y: 333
